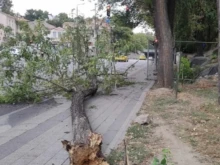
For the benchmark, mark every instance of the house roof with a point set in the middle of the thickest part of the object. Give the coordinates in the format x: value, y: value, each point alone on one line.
x: 32, y: 24
x: 16, y: 17
x: 58, y: 29
x: 7, y: 15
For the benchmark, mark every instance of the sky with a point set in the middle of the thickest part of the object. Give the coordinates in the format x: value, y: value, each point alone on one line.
x: 55, y: 7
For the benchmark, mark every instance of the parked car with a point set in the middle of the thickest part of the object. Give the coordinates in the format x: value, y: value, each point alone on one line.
x: 121, y: 58
x: 142, y: 57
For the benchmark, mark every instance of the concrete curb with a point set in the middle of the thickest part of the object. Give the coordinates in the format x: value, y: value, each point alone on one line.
x: 121, y: 133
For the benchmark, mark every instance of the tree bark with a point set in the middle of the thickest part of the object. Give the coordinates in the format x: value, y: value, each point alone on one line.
x: 164, y: 35
x: 171, y: 5
x: 160, y: 73
x: 86, y: 147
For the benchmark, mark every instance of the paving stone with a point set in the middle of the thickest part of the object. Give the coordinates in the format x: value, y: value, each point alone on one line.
x: 108, y: 137
x: 23, y: 161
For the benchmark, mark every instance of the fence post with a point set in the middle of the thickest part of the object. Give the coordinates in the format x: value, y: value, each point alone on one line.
x: 177, y: 77
x: 148, y: 58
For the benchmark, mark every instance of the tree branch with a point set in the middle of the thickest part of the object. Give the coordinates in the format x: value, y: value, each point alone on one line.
x: 65, y: 89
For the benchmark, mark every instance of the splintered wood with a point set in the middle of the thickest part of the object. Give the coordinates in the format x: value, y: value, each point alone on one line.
x: 86, y: 154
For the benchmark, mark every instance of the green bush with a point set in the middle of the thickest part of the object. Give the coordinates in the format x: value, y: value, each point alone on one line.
x: 19, y: 93
x: 214, y: 56
x: 186, y: 72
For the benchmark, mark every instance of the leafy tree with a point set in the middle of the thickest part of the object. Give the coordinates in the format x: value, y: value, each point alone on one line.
x: 161, y: 14
x: 138, y: 12
x: 42, y: 68
x: 121, y: 39
x: 6, y: 7
x: 32, y: 15
x: 196, y: 21
x: 139, y: 41
x: 60, y: 19
x: 44, y: 72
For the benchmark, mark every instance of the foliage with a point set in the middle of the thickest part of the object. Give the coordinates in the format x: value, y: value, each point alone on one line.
x: 60, y: 19
x: 42, y: 68
x: 140, y: 12
x: 6, y: 7
x: 122, y: 39
x: 139, y: 42
x: 186, y: 72
x: 32, y: 15
x: 196, y: 20
x: 156, y: 161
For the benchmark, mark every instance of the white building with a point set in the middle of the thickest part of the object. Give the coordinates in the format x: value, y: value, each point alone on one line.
x: 56, y: 33
x: 7, y: 21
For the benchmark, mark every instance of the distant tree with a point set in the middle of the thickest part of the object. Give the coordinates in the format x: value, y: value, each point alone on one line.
x: 121, y: 39
x: 60, y: 19
x: 139, y: 41
x: 6, y: 7
x: 32, y: 15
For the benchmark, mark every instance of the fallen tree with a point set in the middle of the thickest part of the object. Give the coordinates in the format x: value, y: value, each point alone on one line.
x: 86, y: 147
x: 42, y: 68
x: 64, y: 69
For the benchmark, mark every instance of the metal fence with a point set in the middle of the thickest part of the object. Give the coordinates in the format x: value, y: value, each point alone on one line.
x: 183, y: 73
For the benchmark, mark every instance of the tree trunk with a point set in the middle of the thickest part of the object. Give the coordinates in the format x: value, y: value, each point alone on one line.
x: 171, y: 5
x: 218, y: 7
x: 86, y: 147
x: 160, y: 73
x: 164, y: 35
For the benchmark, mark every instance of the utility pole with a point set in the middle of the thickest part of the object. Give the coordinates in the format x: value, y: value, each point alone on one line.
x: 218, y: 7
x: 148, y: 43
x: 95, y: 31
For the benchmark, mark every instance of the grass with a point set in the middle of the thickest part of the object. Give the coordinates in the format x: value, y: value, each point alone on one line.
x: 115, y: 157
x: 195, y: 117
x: 137, y: 131
x: 138, y: 138
x: 207, y: 93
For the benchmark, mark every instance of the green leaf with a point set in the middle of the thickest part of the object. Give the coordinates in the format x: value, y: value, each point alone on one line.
x: 163, y: 161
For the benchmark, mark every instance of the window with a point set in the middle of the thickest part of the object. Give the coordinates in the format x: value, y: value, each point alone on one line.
x: 59, y: 34
x: 54, y: 35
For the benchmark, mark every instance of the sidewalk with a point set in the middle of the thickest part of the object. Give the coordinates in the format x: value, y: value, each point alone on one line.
x: 37, y: 141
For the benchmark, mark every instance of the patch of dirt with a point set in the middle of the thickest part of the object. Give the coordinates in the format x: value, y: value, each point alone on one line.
x: 189, y: 126
x: 206, y: 83
x: 182, y: 154
x: 159, y: 92
x: 187, y: 97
